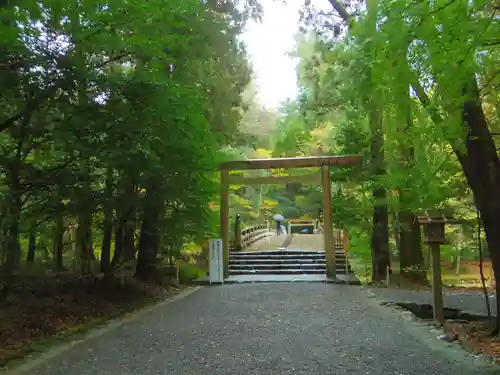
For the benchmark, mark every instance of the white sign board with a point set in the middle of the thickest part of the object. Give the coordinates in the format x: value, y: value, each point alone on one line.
x: 216, y: 262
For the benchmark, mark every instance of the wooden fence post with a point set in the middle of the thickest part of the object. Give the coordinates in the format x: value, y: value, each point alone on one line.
x: 237, y: 233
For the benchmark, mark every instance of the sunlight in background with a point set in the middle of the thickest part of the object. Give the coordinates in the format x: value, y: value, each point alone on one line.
x: 267, y: 43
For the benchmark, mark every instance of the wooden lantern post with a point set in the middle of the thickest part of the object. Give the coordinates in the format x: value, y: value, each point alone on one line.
x: 434, y: 236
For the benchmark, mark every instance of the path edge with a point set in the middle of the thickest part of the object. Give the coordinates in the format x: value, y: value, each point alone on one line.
x: 38, y: 359
x: 424, y: 332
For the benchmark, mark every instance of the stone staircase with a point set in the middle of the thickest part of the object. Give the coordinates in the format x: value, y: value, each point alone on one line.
x: 284, y: 262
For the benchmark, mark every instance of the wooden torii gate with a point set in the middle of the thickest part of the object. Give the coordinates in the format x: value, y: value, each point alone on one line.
x: 323, y: 177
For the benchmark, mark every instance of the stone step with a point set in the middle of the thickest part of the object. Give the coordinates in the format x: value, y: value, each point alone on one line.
x: 283, y: 254
x: 277, y: 252
x: 284, y: 262
x: 274, y: 258
x: 284, y: 271
x: 277, y: 260
x: 281, y: 259
x: 338, y: 266
x: 244, y: 261
x: 283, y: 251
x: 278, y: 266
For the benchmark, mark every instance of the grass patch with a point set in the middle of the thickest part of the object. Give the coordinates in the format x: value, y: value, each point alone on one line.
x: 468, y: 276
x: 190, y: 272
x: 360, y: 269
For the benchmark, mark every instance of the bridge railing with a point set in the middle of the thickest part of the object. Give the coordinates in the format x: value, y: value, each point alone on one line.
x: 245, y: 237
x: 340, y: 238
x: 302, y: 223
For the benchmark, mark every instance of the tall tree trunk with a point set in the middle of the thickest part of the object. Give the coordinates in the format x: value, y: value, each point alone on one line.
x: 149, y: 238
x: 84, y: 244
x: 12, y: 217
x: 482, y: 169
x: 147, y: 248
x: 84, y: 236
x: 59, y: 241
x: 380, y: 237
x: 410, y: 251
x: 117, y: 254
x: 126, y: 222
x: 86, y: 210
x: 395, y: 229
x: 130, y: 224
x: 108, y: 224
x: 30, y: 257
x: 380, y: 219
x: 129, y: 250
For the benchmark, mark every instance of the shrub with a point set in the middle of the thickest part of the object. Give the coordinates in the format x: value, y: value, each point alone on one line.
x: 189, y: 272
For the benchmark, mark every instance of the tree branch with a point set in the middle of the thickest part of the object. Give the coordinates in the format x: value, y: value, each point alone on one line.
x: 416, y: 86
x: 339, y: 8
x: 33, y: 103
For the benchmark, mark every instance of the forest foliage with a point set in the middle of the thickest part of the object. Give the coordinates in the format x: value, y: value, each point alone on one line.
x: 394, y: 81
x: 110, y: 137
x: 113, y: 116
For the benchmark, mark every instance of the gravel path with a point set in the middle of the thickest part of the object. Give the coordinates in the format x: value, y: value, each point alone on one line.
x: 471, y: 302
x: 268, y: 329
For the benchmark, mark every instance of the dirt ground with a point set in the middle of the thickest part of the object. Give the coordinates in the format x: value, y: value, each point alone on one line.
x: 36, y: 311
x: 476, y: 337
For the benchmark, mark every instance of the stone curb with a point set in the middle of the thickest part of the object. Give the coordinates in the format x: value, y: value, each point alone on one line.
x: 484, y: 360
x: 342, y: 282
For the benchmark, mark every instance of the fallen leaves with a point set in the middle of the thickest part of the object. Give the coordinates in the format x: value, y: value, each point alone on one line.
x: 476, y: 337
x: 32, y: 311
